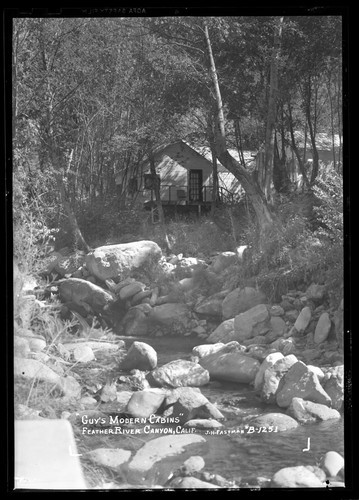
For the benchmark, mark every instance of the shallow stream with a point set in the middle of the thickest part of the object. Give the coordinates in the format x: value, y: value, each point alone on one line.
x: 250, y: 455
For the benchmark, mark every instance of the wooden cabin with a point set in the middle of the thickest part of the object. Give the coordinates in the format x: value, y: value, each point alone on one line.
x: 186, y: 177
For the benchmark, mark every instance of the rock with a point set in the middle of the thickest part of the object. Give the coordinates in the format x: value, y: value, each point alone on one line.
x: 179, y: 373
x: 69, y: 264
x: 96, y: 346
x: 156, y: 459
x: 191, y: 483
x: 250, y: 323
x: 212, y: 306
x: 339, y: 324
x: 85, y: 294
x: 276, y: 310
x: 322, y: 329
x: 51, y: 262
x: 233, y: 366
x: 137, y: 299
x: 109, y: 457
x: 307, y: 411
x: 83, y: 354
x: 192, y: 464
x: 37, y: 344
x: 280, y: 420
x: 332, y: 463
x: 21, y: 346
x: 30, y: 369
x: 188, y: 404
x: 141, y: 356
x: 145, y: 403
x: 296, y: 477
x: 273, y: 375
x: 315, y: 292
x: 333, y: 384
x: 122, y: 398
x: 303, y: 383
x: 318, y: 371
x: 23, y: 412
x: 70, y: 387
x: 87, y: 402
x: 112, y: 261
x: 240, y: 300
x: 269, y: 361
x: 222, y: 261
x: 199, y: 330
x: 205, y: 350
x: 136, y: 323
x: 223, y: 333
x: 277, y: 328
x: 170, y: 314
x: 203, y: 423
x: 303, y: 319
x: 128, y: 291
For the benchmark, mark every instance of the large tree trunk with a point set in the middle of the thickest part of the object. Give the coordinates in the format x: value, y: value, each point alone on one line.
x: 215, y: 184
x: 79, y: 240
x: 295, y: 148
x: 254, y: 193
x: 272, y: 113
x: 156, y: 188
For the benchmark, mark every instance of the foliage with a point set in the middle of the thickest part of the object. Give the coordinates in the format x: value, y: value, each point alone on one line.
x: 306, y: 242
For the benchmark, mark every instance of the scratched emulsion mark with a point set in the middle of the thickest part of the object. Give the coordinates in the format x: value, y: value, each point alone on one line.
x: 308, y: 446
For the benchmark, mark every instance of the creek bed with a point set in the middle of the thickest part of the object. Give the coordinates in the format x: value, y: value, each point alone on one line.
x: 238, y: 456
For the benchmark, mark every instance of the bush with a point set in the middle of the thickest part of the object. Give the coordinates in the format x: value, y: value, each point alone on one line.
x: 190, y: 237
x: 305, y: 243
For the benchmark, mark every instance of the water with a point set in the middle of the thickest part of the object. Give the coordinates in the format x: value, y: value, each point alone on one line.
x: 238, y: 456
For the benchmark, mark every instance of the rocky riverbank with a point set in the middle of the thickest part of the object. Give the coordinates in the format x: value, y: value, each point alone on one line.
x: 289, y: 353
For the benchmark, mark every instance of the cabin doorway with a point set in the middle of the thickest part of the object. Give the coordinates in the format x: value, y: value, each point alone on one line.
x: 195, y: 185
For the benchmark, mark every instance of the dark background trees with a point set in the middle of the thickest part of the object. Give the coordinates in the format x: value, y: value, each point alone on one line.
x: 95, y: 97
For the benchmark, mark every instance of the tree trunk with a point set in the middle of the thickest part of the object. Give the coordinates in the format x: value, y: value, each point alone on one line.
x: 295, y: 148
x: 215, y: 184
x: 156, y: 188
x: 272, y: 113
x: 255, y: 195
x: 79, y: 240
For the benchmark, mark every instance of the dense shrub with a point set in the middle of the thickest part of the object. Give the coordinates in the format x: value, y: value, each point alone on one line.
x: 305, y: 243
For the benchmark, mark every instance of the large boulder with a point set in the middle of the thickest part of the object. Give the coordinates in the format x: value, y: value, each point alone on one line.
x: 113, y: 261
x: 273, y: 375
x: 141, y: 356
x: 145, y: 403
x: 333, y: 384
x: 204, y: 350
x: 307, y: 411
x: 153, y: 463
x: 300, y: 382
x: 223, y: 333
x: 135, y: 323
x: 188, y: 403
x: 281, y: 421
x: 85, y: 294
x: 252, y: 322
x: 211, y: 306
x: 240, y: 300
x: 231, y: 366
x: 179, y: 373
x: 222, y: 261
x: 269, y: 361
x: 297, y: 477
x: 332, y: 463
x: 322, y: 329
x: 303, y: 319
x: 170, y: 315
